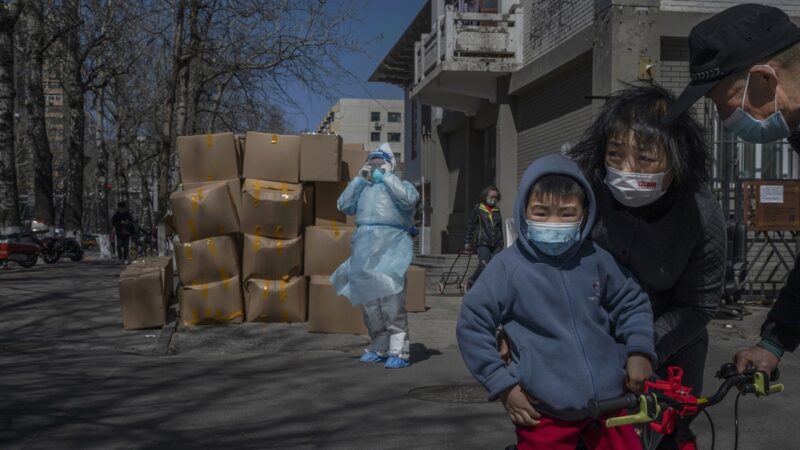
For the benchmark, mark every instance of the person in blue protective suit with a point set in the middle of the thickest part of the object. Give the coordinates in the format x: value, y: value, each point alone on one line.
x: 374, y: 275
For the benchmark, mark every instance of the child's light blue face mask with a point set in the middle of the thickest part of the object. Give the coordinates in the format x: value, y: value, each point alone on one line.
x: 553, y: 238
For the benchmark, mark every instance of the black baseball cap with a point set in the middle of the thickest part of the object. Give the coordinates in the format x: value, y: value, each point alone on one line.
x: 729, y: 42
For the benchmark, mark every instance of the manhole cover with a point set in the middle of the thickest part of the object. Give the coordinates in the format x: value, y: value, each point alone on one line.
x: 457, y: 393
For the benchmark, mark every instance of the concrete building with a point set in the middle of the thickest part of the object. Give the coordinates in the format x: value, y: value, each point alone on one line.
x: 369, y: 122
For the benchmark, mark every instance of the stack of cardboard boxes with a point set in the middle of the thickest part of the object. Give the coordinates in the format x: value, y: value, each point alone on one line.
x: 206, y: 217
x: 272, y: 211
x: 259, y: 232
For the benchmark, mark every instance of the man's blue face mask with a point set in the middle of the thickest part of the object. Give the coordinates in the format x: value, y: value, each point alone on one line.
x: 377, y: 175
x: 742, y: 124
x: 553, y: 238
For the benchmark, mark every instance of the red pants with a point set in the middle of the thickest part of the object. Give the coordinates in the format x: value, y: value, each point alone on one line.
x: 555, y: 434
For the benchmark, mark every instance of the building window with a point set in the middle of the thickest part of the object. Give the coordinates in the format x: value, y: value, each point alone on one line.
x: 394, y: 137
x: 394, y: 117
x: 375, y: 136
x: 375, y: 116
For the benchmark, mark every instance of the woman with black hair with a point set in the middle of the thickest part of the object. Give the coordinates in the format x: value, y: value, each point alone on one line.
x: 658, y: 218
x: 484, y: 230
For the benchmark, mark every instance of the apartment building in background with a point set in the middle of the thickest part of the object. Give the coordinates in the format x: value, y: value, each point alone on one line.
x: 368, y: 121
x: 490, y: 86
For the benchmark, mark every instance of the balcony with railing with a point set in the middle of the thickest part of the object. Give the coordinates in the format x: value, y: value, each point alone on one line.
x: 457, y: 64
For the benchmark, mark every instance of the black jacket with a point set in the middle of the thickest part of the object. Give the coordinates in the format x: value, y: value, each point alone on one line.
x: 123, y: 223
x: 676, y: 249
x: 783, y: 321
x: 484, y: 229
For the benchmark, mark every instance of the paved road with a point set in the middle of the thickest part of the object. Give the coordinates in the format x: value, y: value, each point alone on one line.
x: 70, y: 377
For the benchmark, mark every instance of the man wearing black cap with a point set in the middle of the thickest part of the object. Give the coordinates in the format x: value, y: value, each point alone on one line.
x: 746, y: 59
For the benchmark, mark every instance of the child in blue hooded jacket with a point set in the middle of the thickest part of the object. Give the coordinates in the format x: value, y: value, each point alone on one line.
x: 578, y: 325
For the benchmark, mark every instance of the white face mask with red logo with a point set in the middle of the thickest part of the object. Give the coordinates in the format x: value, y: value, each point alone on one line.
x: 635, y: 189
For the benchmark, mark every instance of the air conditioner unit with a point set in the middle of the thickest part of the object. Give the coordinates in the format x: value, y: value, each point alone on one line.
x: 377, y: 125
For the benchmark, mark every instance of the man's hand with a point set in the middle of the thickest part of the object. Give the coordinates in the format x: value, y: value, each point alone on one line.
x: 639, y: 370
x: 519, y: 407
x: 387, y: 167
x: 467, y: 249
x: 760, y: 358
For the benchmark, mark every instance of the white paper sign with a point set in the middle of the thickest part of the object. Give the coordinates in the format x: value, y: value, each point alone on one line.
x: 771, y: 194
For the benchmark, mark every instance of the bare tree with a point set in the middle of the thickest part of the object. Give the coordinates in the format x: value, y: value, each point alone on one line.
x: 34, y: 48
x: 9, y: 198
x: 74, y: 90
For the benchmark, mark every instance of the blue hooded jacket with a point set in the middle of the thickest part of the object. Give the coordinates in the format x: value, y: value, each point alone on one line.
x: 572, y: 320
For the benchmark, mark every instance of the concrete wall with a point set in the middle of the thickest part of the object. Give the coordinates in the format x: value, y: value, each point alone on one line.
x: 549, y: 137
x: 792, y: 7
x: 506, y: 159
x: 553, y: 112
x: 549, y: 23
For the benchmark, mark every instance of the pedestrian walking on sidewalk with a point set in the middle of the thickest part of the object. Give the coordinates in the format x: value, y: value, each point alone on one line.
x: 123, y: 228
x: 374, y: 275
x: 484, y: 231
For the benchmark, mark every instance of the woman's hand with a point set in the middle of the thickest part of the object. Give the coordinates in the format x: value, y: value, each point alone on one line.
x: 519, y: 407
x: 639, y: 370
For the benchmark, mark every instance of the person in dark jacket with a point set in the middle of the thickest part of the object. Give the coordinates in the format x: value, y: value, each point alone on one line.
x: 659, y: 219
x: 122, y: 221
x: 564, y: 350
x: 484, y: 231
x: 746, y: 59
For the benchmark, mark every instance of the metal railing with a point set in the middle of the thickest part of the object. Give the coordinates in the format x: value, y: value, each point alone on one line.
x: 480, y: 38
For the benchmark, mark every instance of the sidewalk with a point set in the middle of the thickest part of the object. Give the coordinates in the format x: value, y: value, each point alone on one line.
x: 72, y: 378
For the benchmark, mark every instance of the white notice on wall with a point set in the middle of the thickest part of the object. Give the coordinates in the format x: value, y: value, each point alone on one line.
x: 771, y: 194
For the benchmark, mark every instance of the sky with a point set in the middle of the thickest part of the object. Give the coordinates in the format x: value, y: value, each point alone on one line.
x: 380, y: 23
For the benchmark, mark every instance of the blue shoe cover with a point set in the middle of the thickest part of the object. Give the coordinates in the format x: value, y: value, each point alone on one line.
x: 371, y: 357
x: 397, y: 363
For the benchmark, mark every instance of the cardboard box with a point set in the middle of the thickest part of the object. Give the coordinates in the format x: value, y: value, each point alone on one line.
x: 271, y: 259
x: 273, y: 157
x: 415, y: 289
x: 164, y: 264
x: 320, y: 157
x: 234, y: 186
x: 326, y: 248
x: 353, y: 158
x: 209, y: 157
x: 212, y: 303
x: 331, y: 313
x: 141, y: 296
x: 205, y: 211
x: 272, y: 209
x: 276, y: 300
x: 326, y: 211
x: 207, y: 260
x: 308, y: 205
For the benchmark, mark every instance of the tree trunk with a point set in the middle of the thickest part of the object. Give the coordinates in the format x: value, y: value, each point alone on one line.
x: 9, y: 198
x: 35, y: 109
x: 167, y: 149
x: 101, y: 175
x: 74, y: 94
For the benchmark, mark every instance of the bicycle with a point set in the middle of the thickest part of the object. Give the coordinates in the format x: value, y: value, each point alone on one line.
x: 665, y: 402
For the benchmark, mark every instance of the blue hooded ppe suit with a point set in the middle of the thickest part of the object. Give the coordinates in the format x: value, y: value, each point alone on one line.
x: 374, y: 275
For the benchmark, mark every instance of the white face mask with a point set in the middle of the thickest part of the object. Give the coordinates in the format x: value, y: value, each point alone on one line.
x: 635, y: 189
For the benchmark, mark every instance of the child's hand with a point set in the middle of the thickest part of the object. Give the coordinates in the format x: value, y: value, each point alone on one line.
x: 519, y: 406
x: 639, y: 370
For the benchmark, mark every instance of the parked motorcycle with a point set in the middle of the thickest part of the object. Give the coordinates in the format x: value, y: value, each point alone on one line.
x: 25, y: 248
